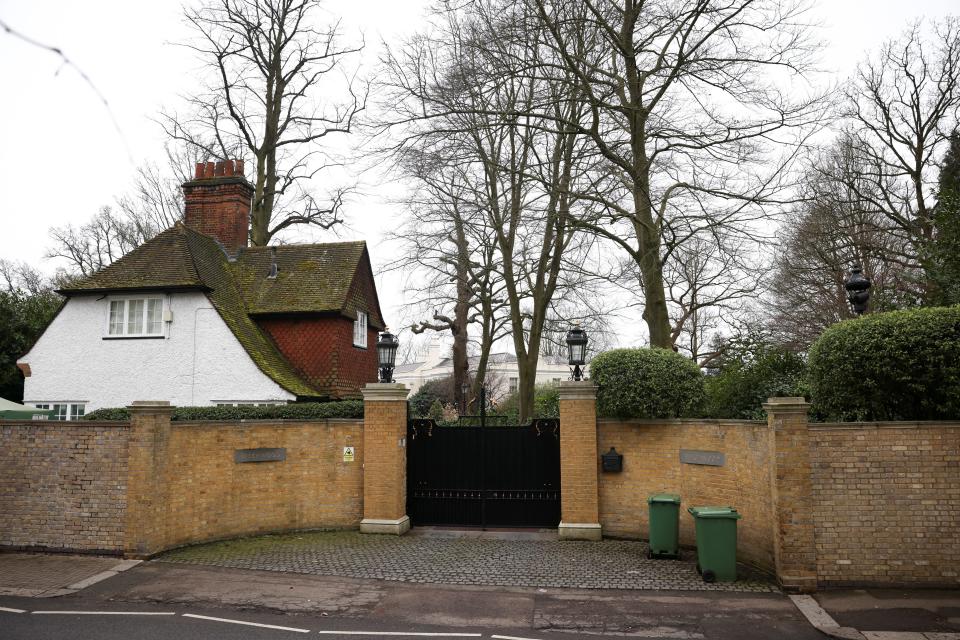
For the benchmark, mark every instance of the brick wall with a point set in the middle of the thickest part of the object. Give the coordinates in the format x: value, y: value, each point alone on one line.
x: 321, y: 348
x: 63, y: 485
x: 651, y: 464
x: 196, y: 491
x: 886, y: 503
x: 217, y: 203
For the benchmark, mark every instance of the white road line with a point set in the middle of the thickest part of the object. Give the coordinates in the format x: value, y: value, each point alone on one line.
x: 107, y: 613
x: 512, y: 638
x: 9, y: 610
x: 401, y: 633
x: 249, y: 624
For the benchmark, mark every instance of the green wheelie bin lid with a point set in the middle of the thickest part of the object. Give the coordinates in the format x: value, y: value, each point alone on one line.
x: 714, y: 512
x: 670, y: 498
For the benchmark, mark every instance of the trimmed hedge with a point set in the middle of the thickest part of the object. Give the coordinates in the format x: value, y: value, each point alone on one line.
x: 647, y: 383
x: 899, y: 365
x: 546, y: 403
x: 298, y: 411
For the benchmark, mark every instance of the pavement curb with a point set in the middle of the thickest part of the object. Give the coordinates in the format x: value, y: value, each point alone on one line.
x: 120, y: 567
x: 823, y: 622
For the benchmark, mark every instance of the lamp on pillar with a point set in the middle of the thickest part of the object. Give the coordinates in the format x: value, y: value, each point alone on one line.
x: 858, y: 290
x: 577, y: 349
x: 387, y: 355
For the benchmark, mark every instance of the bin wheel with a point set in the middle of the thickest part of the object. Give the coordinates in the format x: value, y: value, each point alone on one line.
x: 698, y: 568
x: 649, y: 554
x: 709, y: 576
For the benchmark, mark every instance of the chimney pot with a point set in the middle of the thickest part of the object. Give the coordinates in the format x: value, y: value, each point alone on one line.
x: 198, y: 172
x: 219, y: 169
x: 208, y: 171
x: 228, y: 168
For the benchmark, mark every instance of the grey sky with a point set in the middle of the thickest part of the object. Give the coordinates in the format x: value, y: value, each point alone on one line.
x: 61, y: 158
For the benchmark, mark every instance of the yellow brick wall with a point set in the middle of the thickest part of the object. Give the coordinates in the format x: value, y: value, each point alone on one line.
x: 886, y: 503
x: 578, y: 462
x: 385, y: 468
x: 63, y: 485
x: 186, y: 486
x: 651, y: 464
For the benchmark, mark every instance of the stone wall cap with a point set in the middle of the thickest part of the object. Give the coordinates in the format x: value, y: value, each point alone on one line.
x: 394, y: 391
x: 150, y: 403
x: 786, y: 404
x: 577, y: 390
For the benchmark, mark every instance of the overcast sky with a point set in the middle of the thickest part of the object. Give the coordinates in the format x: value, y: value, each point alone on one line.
x: 62, y: 158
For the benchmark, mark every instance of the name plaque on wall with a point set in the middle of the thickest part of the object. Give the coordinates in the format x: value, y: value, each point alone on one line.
x: 709, y: 458
x: 259, y: 455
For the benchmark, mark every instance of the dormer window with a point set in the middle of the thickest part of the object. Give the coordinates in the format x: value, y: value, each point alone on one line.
x: 360, y: 330
x: 135, y: 317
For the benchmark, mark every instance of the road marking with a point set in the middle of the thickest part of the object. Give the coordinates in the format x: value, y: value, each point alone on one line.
x: 244, y: 622
x: 9, y: 610
x: 401, y: 633
x: 512, y: 638
x: 107, y: 613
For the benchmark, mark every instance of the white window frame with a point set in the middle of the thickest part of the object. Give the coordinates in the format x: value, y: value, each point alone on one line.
x: 360, y: 330
x: 124, y: 303
x: 71, y: 410
x: 513, y: 385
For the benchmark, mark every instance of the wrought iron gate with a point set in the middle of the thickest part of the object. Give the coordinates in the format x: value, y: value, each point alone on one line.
x: 482, y: 474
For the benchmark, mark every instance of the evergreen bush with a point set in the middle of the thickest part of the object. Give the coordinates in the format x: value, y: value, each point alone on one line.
x: 647, y: 383
x: 899, y: 365
x: 747, y: 378
x: 298, y: 411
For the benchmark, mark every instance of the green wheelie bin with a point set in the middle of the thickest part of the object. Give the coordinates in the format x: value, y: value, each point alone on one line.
x: 716, y: 532
x: 664, y: 509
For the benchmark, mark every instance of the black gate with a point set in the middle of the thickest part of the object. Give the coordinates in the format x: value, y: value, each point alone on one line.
x: 482, y: 474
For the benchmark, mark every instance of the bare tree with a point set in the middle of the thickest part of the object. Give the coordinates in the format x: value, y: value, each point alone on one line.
x: 271, y: 72
x: 91, y: 246
x: 694, y: 133
x: 466, y: 86
x: 903, y: 105
x: 836, y: 227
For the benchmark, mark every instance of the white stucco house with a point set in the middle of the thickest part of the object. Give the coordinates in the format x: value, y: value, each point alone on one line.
x: 196, y: 317
x: 438, y: 364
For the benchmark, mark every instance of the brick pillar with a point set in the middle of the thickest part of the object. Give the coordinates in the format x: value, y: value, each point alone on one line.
x: 795, y: 553
x: 385, y: 459
x: 144, y: 532
x: 579, y: 497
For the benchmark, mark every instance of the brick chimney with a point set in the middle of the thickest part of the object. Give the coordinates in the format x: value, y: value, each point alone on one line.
x: 217, y: 203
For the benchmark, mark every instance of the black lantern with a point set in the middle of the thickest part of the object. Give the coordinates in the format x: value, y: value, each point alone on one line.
x: 577, y: 349
x: 464, y: 397
x: 387, y: 355
x: 858, y: 290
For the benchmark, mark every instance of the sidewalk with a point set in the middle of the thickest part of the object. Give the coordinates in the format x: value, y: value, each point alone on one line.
x: 35, y: 575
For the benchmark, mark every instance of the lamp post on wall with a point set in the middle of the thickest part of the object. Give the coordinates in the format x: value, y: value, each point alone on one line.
x: 577, y: 350
x: 464, y: 397
x: 386, y: 355
x: 858, y: 290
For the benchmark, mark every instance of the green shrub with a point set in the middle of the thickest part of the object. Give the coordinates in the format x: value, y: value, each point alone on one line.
x: 746, y: 378
x: 298, y: 411
x: 647, y: 383
x: 546, y: 403
x: 899, y: 365
x: 435, y: 412
x: 431, y: 391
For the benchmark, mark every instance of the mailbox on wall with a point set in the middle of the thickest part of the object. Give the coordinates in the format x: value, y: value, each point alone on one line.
x: 612, y: 461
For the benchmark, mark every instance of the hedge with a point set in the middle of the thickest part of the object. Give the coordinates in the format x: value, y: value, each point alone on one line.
x: 647, y: 383
x: 899, y: 365
x: 298, y: 411
x: 546, y: 403
x: 747, y: 379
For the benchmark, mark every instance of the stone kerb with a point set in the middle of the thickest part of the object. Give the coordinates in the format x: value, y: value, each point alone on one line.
x: 795, y: 555
x: 385, y: 459
x: 579, y: 490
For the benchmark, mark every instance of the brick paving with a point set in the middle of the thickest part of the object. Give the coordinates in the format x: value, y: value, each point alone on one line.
x: 470, y: 560
x: 33, y: 575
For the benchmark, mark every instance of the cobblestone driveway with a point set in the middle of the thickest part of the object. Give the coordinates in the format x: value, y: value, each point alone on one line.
x: 610, y: 564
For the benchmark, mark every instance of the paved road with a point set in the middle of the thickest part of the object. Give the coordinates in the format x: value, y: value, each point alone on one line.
x: 330, y: 604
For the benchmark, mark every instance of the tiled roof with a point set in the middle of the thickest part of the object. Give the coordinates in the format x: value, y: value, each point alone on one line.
x: 310, y: 278
x: 163, y: 262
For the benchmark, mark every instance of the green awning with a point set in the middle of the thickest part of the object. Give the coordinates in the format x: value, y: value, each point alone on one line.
x: 10, y: 410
